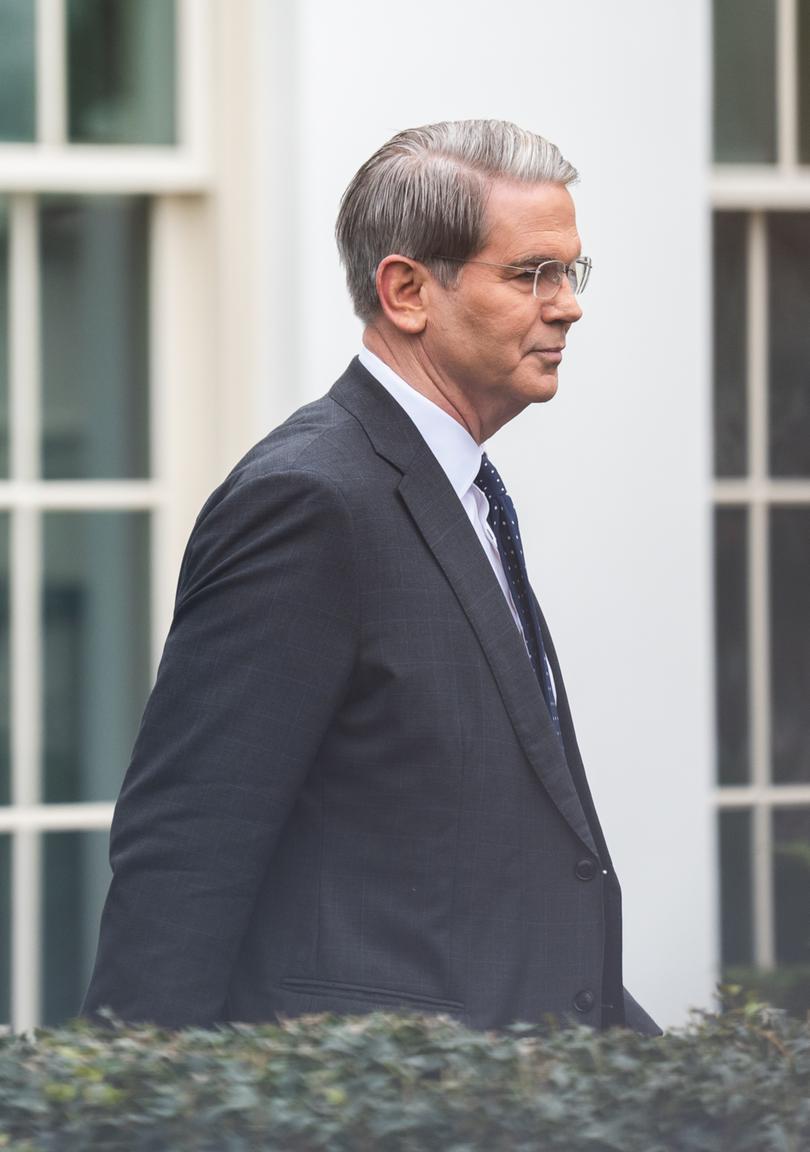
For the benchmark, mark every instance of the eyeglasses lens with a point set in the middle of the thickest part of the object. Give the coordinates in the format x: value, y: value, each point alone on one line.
x: 549, y: 277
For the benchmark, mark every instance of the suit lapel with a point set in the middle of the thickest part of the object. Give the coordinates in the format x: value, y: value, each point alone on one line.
x: 444, y: 526
x: 573, y: 754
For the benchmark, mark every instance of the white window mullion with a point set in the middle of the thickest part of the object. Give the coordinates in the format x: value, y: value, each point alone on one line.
x: 762, y: 187
x: 786, y: 83
x: 80, y: 817
x: 757, y: 348
x: 25, y: 521
x: 160, y: 370
x: 26, y: 928
x: 51, y: 73
x: 763, y: 491
x: 84, y: 495
x: 25, y: 609
x: 193, y: 91
x: 759, y: 647
x: 25, y: 585
x: 24, y: 337
x: 775, y: 795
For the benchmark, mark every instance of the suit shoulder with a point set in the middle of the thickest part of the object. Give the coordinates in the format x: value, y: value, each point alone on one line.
x: 306, y: 439
x: 320, y: 437
x: 320, y: 444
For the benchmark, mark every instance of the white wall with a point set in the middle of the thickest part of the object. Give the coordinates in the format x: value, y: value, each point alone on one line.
x: 620, y: 558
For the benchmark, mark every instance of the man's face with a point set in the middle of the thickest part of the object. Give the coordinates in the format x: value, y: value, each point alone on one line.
x: 492, y: 346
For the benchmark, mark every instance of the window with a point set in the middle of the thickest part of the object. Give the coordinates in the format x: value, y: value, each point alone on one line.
x: 762, y: 479
x: 83, y: 488
x: 17, y: 78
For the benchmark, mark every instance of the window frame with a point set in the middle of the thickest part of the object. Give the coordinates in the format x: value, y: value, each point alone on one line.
x: 758, y: 190
x: 52, y: 164
x: 27, y: 171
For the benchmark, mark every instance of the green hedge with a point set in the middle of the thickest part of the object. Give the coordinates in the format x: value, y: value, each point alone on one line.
x: 739, y: 1082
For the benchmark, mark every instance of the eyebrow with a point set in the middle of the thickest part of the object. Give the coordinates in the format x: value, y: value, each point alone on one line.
x: 533, y: 260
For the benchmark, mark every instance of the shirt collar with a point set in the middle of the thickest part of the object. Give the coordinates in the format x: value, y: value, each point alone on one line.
x: 451, y: 444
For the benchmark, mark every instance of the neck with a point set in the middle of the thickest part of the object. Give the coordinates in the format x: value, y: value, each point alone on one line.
x: 407, y: 359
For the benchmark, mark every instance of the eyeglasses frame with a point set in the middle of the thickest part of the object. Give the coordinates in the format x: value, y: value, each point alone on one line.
x: 569, y: 269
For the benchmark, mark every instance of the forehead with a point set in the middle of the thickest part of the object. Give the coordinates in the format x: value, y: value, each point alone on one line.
x: 524, y: 220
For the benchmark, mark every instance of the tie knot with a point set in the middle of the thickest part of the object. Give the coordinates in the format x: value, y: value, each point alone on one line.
x: 489, y: 480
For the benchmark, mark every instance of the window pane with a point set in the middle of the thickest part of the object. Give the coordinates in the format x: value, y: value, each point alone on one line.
x: 790, y: 643
x: 94, y: 338
x: 5, y: 703
x: 121, y: 71
x: 789, y: 351
x: 744, y: 81
x: 5, y: 930
x: 735, y: 887
x: 803, y: 49
x: 4, y: 342
x: 96, y: 649
x: 791, y: 865
x: 731, y: 643
x: 76, y: 875
x: 730, y: 361
x: 17, y: 47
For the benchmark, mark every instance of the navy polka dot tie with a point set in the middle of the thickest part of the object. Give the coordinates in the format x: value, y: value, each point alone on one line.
x: 504, y: 524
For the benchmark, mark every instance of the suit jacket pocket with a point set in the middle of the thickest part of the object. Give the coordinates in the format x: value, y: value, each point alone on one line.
x: 380, y: 997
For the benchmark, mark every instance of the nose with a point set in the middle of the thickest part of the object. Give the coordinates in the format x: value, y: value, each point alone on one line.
x: 564, y: 306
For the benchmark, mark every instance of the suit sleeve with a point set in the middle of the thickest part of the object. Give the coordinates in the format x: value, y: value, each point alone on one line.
x: 255, y: 665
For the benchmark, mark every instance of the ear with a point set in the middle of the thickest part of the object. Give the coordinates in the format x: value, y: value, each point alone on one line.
x: 399, y: 283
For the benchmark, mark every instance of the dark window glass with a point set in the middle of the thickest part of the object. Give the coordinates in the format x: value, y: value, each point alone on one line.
x: 790, y: 643
x: 730, y: 360
x: 76, y: 875
x: 4, y: 342
x: 744, y: 81
x: 803, y: 50
x: 96, y: 667
x: 735, y: 887
x: 17, y: 63
x: 5, y: 930
x: 789, y: 344
x: 791, y: 867
x: 121, y: 71
x: 5, y: 702
x: 731, y: 643
x: 95, y: 346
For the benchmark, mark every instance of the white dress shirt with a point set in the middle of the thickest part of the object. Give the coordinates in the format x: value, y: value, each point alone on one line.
x: 457, y: 453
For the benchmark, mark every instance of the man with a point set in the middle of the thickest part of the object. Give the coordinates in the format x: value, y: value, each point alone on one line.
x: 357, y: 785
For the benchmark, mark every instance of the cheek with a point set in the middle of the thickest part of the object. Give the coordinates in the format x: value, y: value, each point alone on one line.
x: 506, y: 331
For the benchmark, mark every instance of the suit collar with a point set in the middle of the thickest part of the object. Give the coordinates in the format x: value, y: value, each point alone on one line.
x: 448, y: 440
x: 392, y: 433
x: 444, y: 525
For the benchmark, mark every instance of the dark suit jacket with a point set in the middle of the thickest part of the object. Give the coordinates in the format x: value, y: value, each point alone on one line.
x: 346, y: 792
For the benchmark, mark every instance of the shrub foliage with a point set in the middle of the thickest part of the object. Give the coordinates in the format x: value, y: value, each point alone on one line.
x: 739, y: 1082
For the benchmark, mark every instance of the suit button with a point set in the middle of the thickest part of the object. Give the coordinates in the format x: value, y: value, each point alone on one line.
x: 584, y: 1000
x: 585, y: 869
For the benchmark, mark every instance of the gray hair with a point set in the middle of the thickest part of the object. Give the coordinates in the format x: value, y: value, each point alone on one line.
x: 424, y: 193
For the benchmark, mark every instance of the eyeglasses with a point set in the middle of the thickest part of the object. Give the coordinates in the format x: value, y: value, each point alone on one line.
x: 546, y: 278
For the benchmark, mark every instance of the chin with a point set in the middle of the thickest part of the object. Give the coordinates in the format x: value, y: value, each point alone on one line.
x: 546, y: 390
